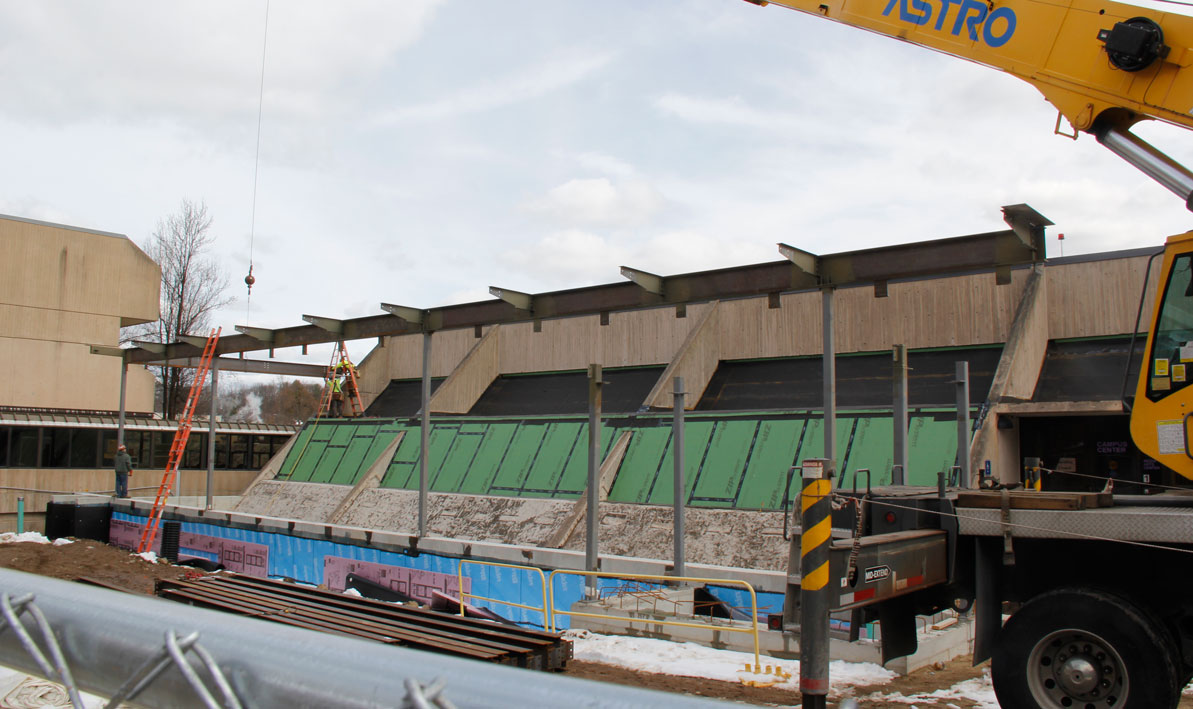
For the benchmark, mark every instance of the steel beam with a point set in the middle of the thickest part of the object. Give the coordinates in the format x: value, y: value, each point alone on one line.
x: 679, y: 488
x: 120, y: 416
x: 155, y: 347
x: 332, y: 325
x: 215, y: 397
x: 518, y: 299
x: 107, y: 351
x: 413, y: 316
x: 260, y: 334
x: 648, y: 282
x: 807, y: 263
x: 197, y: 341
x: 899, y: 371
x: 829, y: 376
x: 996, y: 252
x: 592, y: 558
x: 963, y: 433
x: 257, y: 366
x: 424, y: 431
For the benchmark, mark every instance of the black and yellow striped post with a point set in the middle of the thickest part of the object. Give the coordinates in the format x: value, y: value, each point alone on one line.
x: 815, y: 590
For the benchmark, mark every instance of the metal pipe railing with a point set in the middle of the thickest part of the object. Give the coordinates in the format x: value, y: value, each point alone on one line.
x: 464, y: 596
x: 106, y: 637
x: 630, y: 620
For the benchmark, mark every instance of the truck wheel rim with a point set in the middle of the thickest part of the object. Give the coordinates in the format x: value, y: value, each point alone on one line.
x: 1078, y: 670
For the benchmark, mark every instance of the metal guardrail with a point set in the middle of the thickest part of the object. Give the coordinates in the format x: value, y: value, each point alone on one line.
x: 753, y: 629
x: 548, y: 621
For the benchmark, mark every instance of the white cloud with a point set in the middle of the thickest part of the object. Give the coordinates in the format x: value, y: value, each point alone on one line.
x: 598, y: 201
x: 573, y: 257
x: 606, y: 164
x: 733, y: 111
x: 543, y: 78
x: 82, y: 61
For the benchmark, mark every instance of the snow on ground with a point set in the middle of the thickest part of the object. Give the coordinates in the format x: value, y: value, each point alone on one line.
x: 9, y: 537
x: 979, y: 690
x: 692, y: 660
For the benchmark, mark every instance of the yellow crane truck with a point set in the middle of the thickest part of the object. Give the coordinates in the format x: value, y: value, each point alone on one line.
x: 1096, y: 591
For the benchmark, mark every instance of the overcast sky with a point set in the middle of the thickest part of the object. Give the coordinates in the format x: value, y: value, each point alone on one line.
x: 417, y: 152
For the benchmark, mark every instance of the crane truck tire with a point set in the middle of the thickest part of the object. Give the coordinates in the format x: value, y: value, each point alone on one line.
x: 1077, y: 648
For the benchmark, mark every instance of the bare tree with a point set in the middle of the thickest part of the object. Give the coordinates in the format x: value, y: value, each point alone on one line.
x: 285, y: 403
x: 193, y: 288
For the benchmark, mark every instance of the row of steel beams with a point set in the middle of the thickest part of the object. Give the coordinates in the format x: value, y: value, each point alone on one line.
x: 998, y: 251
x: 388, y: 623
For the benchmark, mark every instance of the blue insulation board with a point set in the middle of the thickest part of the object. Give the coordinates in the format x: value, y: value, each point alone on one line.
x: 302, y: 560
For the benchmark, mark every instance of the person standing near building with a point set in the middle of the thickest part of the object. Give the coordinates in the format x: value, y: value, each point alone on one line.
x: 124, y: 468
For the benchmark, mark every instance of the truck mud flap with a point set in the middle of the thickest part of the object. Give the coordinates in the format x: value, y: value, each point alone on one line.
x: 988, y: 561
x: 897, y: 618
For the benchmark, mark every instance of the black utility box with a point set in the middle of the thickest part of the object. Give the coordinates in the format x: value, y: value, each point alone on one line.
x: 82, y: 520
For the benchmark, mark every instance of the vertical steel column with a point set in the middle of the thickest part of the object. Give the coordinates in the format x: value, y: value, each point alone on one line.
x: 830, y: 375
x: 591, y: 545
x: 815, y: 589
x: 963, y: 422
x: 215, y: 396
x: 424, y: 436
x: 120, y: 415
x: 899, y: 385
x: 677, y: 452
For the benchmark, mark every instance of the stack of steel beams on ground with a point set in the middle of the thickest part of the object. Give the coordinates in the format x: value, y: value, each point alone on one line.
x: 406, y: 626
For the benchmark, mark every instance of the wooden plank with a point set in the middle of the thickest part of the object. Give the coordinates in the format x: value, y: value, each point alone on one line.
x: 1032, y: 500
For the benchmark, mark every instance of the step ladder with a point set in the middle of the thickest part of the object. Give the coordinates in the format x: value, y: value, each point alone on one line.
x: 350, y: 387
x: 178, y: 447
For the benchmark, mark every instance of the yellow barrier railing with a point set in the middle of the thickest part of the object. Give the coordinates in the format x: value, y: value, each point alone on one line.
x: 544, y: 609
x: 753, y: 629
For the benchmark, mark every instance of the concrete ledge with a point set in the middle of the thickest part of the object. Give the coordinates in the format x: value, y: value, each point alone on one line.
x: 277, y: 526
x: 249, y: 521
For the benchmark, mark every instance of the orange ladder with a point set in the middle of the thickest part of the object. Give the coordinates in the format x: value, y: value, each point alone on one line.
x: 178, y: 447
x: 340, y: 354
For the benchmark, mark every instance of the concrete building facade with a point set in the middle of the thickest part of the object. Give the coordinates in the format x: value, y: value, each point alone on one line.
x: 1051, y: 314
x: 62, y: 290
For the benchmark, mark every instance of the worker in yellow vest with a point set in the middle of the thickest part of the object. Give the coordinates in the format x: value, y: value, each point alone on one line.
x: 336, y: 408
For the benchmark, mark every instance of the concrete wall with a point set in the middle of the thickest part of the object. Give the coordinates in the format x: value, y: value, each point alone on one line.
x: 742, y: 539
x: 63, y: 289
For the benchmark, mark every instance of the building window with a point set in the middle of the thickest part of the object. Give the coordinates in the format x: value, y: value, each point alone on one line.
x: 23, y: 453
x: 240, y: 452
x: 1172, y: 342
x: 262, y: 451
x: 55, y: 448
x: 161, y: 448
x: 192, y: 458
x: 84, y: 448
x: 221, y: 451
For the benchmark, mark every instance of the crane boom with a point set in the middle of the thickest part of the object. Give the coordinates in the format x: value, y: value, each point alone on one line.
x: 1105, y: 66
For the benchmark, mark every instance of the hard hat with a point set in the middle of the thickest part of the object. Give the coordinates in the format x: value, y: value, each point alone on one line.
x: 121, y: 447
